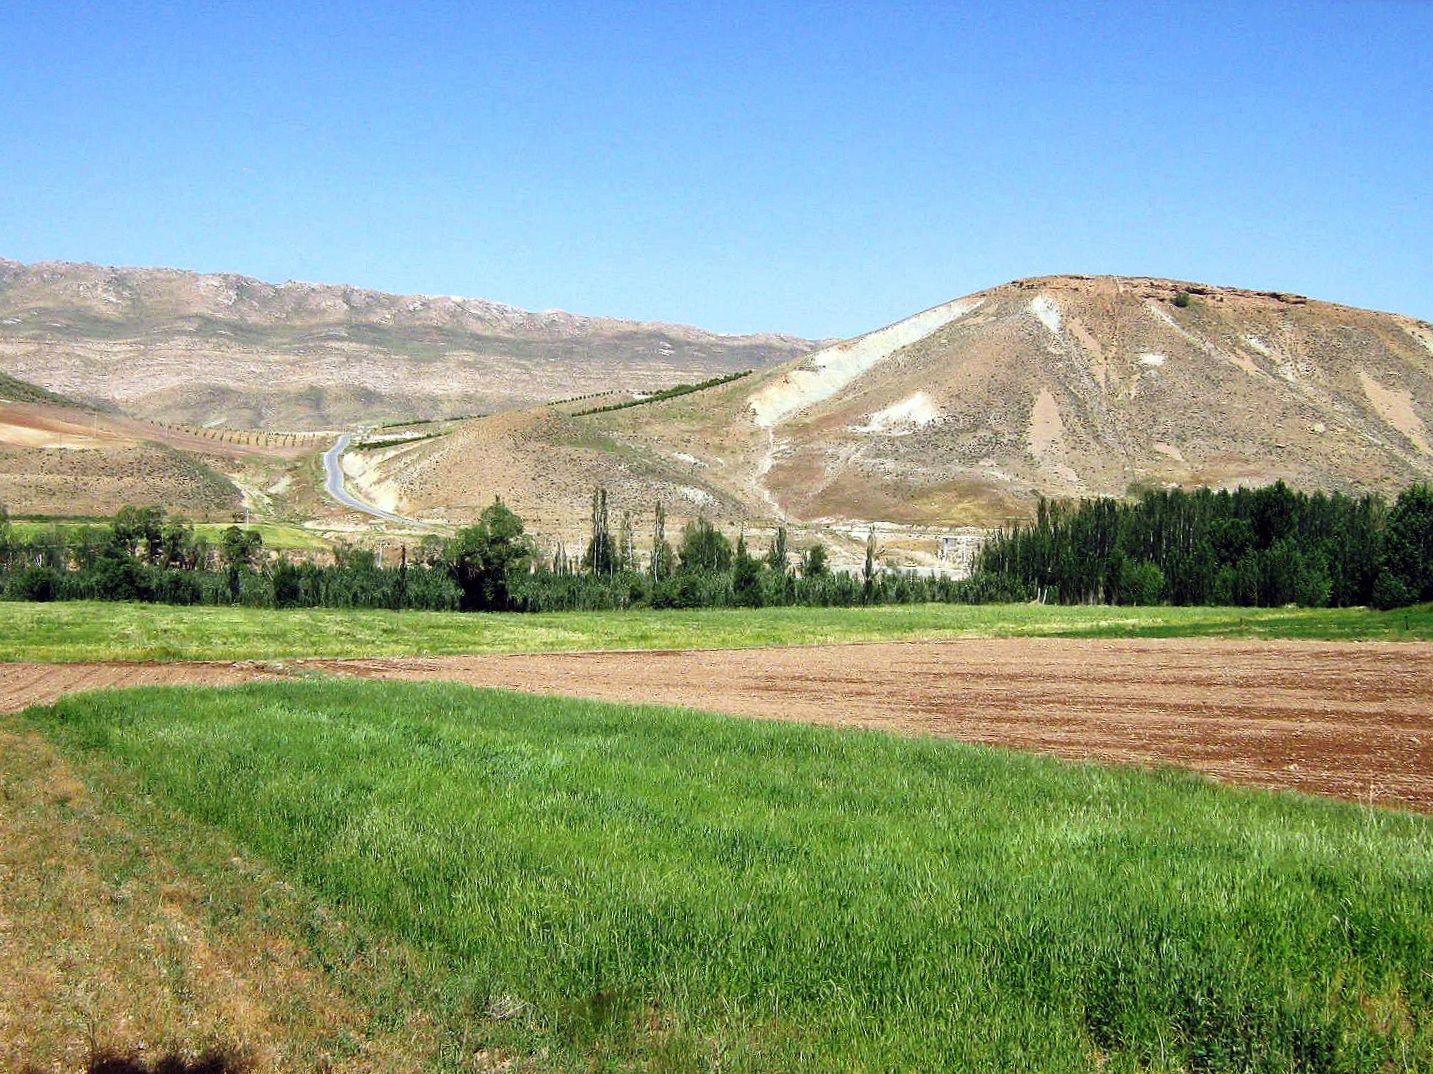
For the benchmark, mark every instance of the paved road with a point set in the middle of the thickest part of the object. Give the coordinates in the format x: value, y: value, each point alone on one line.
x: 335, y: 487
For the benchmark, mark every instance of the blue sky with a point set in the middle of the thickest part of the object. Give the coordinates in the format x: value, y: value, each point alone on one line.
x: 818, y: 169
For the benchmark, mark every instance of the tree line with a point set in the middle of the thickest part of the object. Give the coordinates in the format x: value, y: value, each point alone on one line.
x: 493, y: 565
x: 1258, y: 547
x: 1266, y: 547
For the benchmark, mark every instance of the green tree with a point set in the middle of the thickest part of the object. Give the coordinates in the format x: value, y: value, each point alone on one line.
x: 485, y: 558
x: 814, y: 561
x: 138, y: 531
x: 1140, y: 582
x: 601, y: 555
x: 626, y: 559
x: 663, y: 558
x: 1408, y: 542
x: 745, y: 577
x: 177, y: 541
x: 777, y: 554
x: 869, y: 568
x: 704, y: 548
x: 240, y: 548
x: 7, y: 538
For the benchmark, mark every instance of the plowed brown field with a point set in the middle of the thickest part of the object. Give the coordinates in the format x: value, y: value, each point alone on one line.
x: 1351, y: 720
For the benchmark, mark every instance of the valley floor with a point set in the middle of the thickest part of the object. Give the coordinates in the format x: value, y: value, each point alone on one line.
x: 335, y: 874
x: 270, y: 851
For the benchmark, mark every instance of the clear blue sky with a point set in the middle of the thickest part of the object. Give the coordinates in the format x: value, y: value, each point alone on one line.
x: 818, y: 169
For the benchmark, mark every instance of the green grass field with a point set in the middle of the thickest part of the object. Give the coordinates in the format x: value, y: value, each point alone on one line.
x: 604, y: 887
x: 101, y: 631
x: 280, y: 535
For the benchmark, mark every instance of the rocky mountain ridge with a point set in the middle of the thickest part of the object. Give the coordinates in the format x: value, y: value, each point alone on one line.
x: 225, y: 349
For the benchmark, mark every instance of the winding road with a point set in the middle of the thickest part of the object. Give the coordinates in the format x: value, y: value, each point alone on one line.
x: 334, y: 485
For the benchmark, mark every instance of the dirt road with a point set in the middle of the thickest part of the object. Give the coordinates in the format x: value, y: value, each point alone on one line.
x: 1353, y: 720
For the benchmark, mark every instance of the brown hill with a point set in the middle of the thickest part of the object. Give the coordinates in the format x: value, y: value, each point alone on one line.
x: 234, y: 351
x: 960, y: 415
x: 59, y: 458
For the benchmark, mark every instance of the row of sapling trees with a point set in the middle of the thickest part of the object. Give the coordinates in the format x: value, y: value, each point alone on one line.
x: 1267, y: 547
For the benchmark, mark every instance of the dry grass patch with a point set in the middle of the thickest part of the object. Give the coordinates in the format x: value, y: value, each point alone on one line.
x: 125, y: 950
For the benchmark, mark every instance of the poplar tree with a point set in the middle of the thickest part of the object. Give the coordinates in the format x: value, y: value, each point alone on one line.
x: 661, y: 551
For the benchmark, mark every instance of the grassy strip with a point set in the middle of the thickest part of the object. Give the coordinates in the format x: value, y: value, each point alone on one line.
x: 103, y: 631
x: 280, y: 535
x: 399, y: 441
x: 642, y: 888
x: 158, y: 932
x: 666, y: 393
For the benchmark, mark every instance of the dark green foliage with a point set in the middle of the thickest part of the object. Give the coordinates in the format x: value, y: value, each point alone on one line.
x: 704, y: 548
x: 663, y: 558
x: 486, y: 558
x: 666, y: 393
x: 240, y: 548
x: 1408, y: 542
x: 1183, y: 299
x: 601, y: 556
x: 1258, y: 547
x: 1262, y: 547
x: 813, y: 561
x: 779, y: 552
x: 1140, y: 583
x: 746, y: 572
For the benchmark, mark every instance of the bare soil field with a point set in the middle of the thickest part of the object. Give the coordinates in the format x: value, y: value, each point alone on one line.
x: 1349, y: 720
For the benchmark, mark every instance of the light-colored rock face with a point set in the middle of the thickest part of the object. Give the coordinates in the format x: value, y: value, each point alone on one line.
x: 826, y: 372
x: 1397, y: 408
x: 904, y: 417
x: 1048, y: 311
x: 229, y: 350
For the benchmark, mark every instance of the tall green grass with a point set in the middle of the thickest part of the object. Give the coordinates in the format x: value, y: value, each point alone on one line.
x: 635, y: 887
x: 107, y: 631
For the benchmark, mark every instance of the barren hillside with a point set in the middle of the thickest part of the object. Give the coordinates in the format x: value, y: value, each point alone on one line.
x: 234, y: 351
x: 59, y: 458
x: 1066, y: 386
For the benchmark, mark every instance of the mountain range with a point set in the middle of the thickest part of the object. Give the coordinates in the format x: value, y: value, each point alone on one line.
x: 959, y: 415
x: 228, y: 350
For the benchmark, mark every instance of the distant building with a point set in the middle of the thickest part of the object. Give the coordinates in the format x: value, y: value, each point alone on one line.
x: 959, y: 550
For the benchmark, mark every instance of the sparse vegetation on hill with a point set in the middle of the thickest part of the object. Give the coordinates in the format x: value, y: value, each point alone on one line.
x: 1066, y: 387
x: 14, y: 390
x: 666, y: 393
x: 194, y: 348
x: 96, y: 480
x: 609, y: 887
